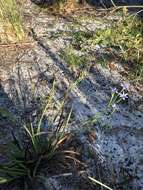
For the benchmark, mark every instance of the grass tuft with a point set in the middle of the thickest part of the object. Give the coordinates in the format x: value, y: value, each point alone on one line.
x: 72, y: 58
x: 11, y: 29
x: 38, y: 149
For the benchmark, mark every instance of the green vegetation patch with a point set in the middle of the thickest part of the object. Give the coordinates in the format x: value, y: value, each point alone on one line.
x: 11, y: 29
x: 71, y: 57
x: 124, y: 39
x: 125, y: 35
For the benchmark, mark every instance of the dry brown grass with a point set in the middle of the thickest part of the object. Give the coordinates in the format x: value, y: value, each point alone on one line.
x: 65, y: 7
x: 11, y: 29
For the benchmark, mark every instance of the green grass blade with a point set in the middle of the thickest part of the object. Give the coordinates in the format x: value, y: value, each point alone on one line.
x: 50, y: 98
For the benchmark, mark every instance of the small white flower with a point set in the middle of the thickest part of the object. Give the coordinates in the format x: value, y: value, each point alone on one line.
x: 123, y: 95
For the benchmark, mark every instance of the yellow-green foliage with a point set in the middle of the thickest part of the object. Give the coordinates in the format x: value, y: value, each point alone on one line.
x: 72, y: 59
x: 126, y: 38
x: 126, y: 35
x: 10, y: 22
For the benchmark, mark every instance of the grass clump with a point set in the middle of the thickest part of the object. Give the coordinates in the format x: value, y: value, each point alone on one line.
x: 73, y: 59
x: 37, y: 150
x: 11, y: 25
